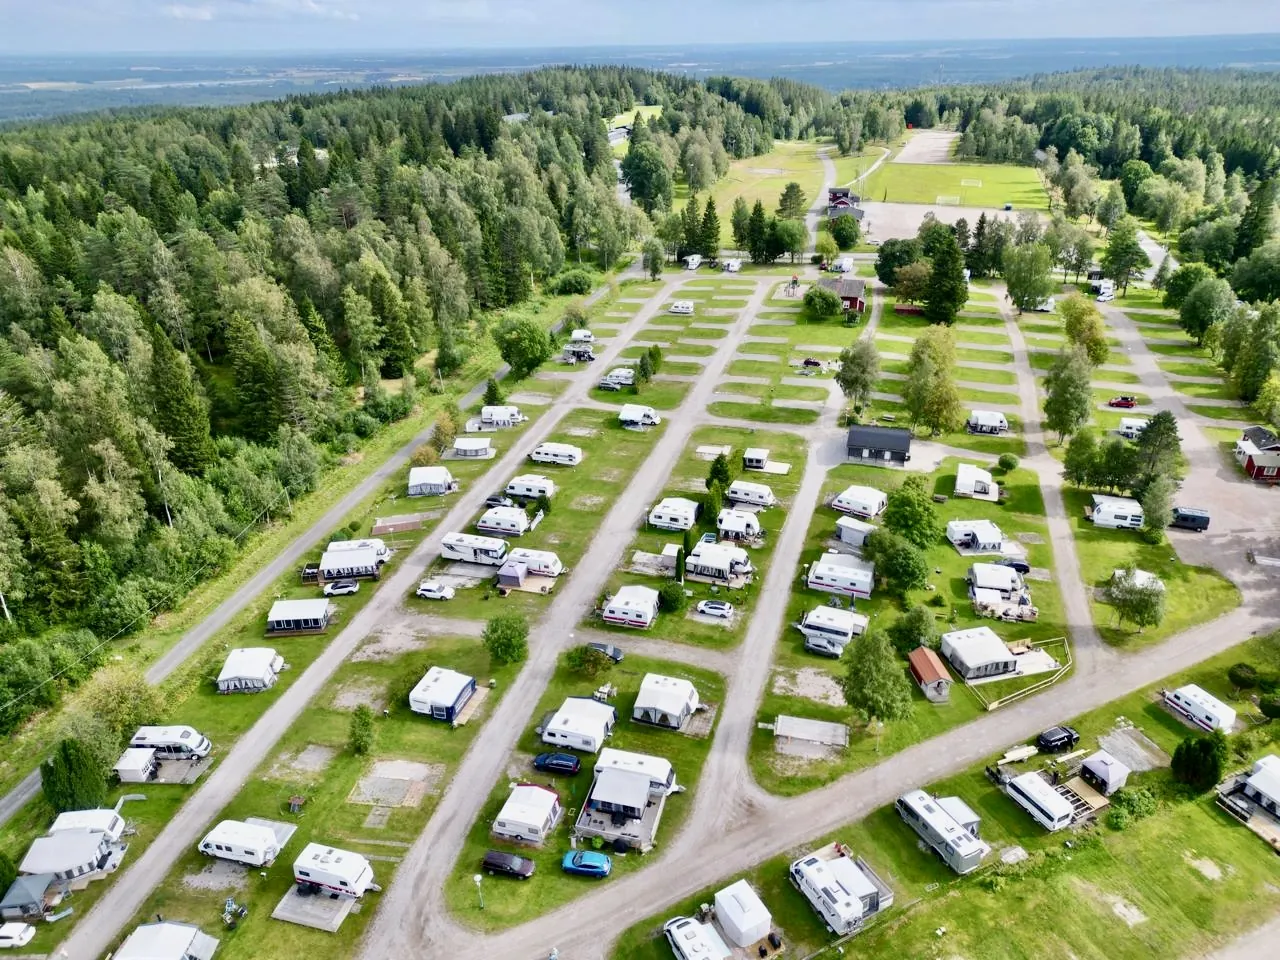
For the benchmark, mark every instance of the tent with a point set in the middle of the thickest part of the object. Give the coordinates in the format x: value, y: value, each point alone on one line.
x: 743, y: 917
x: 664, y: 701
x: 250, y: 670
x: 431, y: 481
x: 298, y: 616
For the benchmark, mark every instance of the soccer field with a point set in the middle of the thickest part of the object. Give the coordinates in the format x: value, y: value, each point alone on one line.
x: 966, y: 185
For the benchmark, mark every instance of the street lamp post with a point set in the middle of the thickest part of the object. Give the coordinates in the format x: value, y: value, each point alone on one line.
x: 477, y: 880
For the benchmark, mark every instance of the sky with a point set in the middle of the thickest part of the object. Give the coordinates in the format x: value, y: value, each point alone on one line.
x: 161, y: 26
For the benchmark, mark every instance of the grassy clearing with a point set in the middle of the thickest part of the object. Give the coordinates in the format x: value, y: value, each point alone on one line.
x: 1141, y: 298
x: 1115, y: 376
x: 508, y: 902
x: 964, y: 336
x: 988, y: 396
x: 626, y: 118
x: 1205, y: 391
x: 984, y: 356
x: 1239, y: 414
x: 1193, y: 594
x: 924, y: 183
x: 848, y: 169
x: 756, y: 368
x: 659, y: 394
x: 328, y: 816
x: 688, y: 480
x: 1102, y: 395
x: 680, y: 368
x: 1005, y: 378
x: 762, y: 412
x: 1189, y: 912
x: 1188, y: 367
x: 770, y: 390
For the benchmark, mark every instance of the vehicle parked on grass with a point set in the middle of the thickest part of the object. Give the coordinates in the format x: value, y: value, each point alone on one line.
x: 435, y: 590
x: 1014, y: 563
x: 341, y: 588
x: 608, y: 649
x: 508, y: 864
x: 565, y: 763
x: 612, y: 386
x: 498, y: 500
x: 1057, y: 739
x: 1125, y: 402
x: 586, y: 863
x: 716, y: 608
x: 16, y: 935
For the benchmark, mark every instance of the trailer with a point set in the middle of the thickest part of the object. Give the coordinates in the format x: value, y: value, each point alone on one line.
x: 755, y: 494
x: 338, y: 873
x: 252, y: 844
x: 859, y: 501
x: 828, y: 630
x: 531, y: 486
x: 503, y: 415
x: 538, y: 563
x: 561, y: 454
x: 506, y: 521
x: 674, y: 513
x: 469, y: 548
x: 1201, y: 708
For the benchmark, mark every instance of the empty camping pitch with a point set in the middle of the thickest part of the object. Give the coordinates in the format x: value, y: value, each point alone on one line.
x: 956, y: 184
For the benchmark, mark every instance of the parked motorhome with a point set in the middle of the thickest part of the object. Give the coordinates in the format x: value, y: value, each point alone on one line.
x: 530, y: 486
x: 538, y: 563
x: 854, y: 532
x: 755, y: 494
x: 1115, y: 513
x: 842, y: 265
x: 828, y: 630
x: 681, y: 307
x: 737, y: 524
x: 844, y: 891
x: 325, y: 869
x: 529, y: 815
x: 431, y: 481
x: 581, y: 723
x: 987, y: 421
x: 506, y: 521
x: 1131, y: 427
x: 860, y: 501
x: 632, y: 606
x: 469, y: 548
x: 501, y: 415
x: 442, y: 693
x: 381, y: 551
x: 621, y: 376
x: 731, y: 265
x: 842, y: 574
x: 172, y: 743
x: 693, y: 261
x: 948, y: 825
x: 1034, y: 794
x: 250, y: 670
x: 1201, y: 708
x: 636, y: 415
x: 561, y: 454
x: 674, y: 513
x: 582, y: 336
x: 252, y: 844
x: 664, y: 701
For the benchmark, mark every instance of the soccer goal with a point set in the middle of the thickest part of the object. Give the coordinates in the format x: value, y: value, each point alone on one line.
x: 970, y: 183
x: 944, y: 201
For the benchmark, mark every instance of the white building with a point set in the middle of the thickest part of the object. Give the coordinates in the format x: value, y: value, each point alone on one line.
x: 166, y: 941
x: 532, y: 486
x: 530, y: 814
x: 250, y: 670
x: 1201, y: 708
x: 717, y: 561
x: 828, y: 630
x: 674, y: 513
x: 431, y: 481
x: 107, y: 823
x: 840, y: 889
x: 975, y: 535
x: 1263, y: 784
x: 853, y: 531
x: 503, y: 415
x: 860, y: 501
x: 442, y: 693
x: 539, y: 563
x: 252, y: 844
x: 986, y: 421
x: 638, y: 415
x: 1104, y: 773
x: 333, y: 871
x: 743, y: 917
x: 842, y: 574
x: 508, y: 521
x: 738, y: 524
x: 1115, y: 513
x: 581, y: 724
x: 659, y: 775
x: 975, y: 482
x: 664, y: 701
x: 755, y: 494
x: 1047, y: 807
x: 632, y: 606
x: 978, y: 652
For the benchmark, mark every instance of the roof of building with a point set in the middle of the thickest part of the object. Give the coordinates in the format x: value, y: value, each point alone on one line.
x: 625, y: 788
x: 994, y: 576
x: 321, y: 856
x: 874, y: 437
x: 298, y: 610
x: 975, y: 646
x: 741, y: 906
x: 136, y: 759
x: 927, y: 666
x: 853, y: 523
x: 93, y: 821
x: 441, y: 685
x: 667, y: 694
x: 755, y: 453
x: 27, y: 889
x: 843, y: 563
x: 1115, y: 503
x: 247, y: 835
x: 967, y: 475
x: 1105, y: 766
x: 635, y: 596
x: 434, y: 474
x: 845, y: 287
x: 1261, y: 437
x: 582, y: 715
x: 166, y: 941
x: 1265, y: 777
x: 836, y: 617
x: 529, y: 803
x: 677, y: 505
x: 984, y: 530
x: 1038, y: 788
x: 463, y: 443
x: 62, y: 852
x: 251, y: 663
x: 657, y: 769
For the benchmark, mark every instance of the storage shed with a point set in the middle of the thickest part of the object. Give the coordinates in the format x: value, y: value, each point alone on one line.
x: 442, y: 693
x: 743, y: 917
x: 167, y: 941
x: 928, y: 670
x: 298, y: 616
x: 529, y: 815
x: 431, y: 481
x: 755, y: 458
x: 250, y: 670
x: 664, y: 701
x: 853, y: 531
x: 512, y: 574
x: 137, y: 765
x: 978, y: 652
x: 581, y: 723
x: 1104, y: 773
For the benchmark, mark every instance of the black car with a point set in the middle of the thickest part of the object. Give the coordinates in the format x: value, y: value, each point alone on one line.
x: 1013, y: 563
x: 507, y: 864
x: 565, y: 763
x: 608, y: 649
x: 1057, y: 739
x: 498, y: 500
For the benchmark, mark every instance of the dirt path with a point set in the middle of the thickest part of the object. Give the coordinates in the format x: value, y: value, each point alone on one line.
x: 928, y: 146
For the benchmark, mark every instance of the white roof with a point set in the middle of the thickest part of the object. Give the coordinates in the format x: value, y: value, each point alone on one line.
x: 746, y: 486
x: 943, y: 824
x: 841, y: 882
x: 531, y: 557
x: 1108, y: 768
x: 635, y: 597
x: 836, y: 618
x: 249, y: 663
x: 958, y: 810
x: 853, y: 523
x: 841, y: 564
x: 1118, y: 504
x: 165, y: 941
x: 1265, y: 777
x: 460, y: 443
x: 986, y: 416
x: 984, y: 530
x: 94, y: 821
x: 995, y: 576
x: 431, y: 475
x: 324, y: 858
x: 251, y: 836
x: 62, y: 852
x: 440, y: 685
x: 1207, y: 701
x: 730, y: 519
x: 532, y: 480
x: 719, y: 555
x: 1141, y: 578
x: 665, y: 694
x: 635, y: 412
x: 495, y: 515
x: 474, y: 540
x: 975, y: 646
x: 173, y: 734
x: 499, y: 412
x: 550, y: 446
x: 755, y: 453
x: 298, y: 610
x: 1136, y: 423
x: 623, y: 787
x: 135, y: 759
x: 861, y: 494
x: 987, y: 598
x: 676, y: 505
x: 1050, y: 800
x: 697, y: 941
x: 337, y: 559
x: 529, y: 804
x: 738, y: 907
x: 657, y: 769
x: 967, y: 475
x: 582, y: 715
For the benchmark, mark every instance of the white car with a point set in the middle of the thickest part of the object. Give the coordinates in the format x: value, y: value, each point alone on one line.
x: 15, y: 935
x: 716, y: 608
x: 1106, y: 297
x: 434, y: 590
x: 341, y: 588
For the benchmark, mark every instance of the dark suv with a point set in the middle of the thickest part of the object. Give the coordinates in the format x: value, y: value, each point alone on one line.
x: 1057, y: 739
x: 565, y: 763
x: 508, y: 864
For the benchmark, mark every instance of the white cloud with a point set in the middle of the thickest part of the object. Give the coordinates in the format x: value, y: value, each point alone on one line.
x: 183, y: 12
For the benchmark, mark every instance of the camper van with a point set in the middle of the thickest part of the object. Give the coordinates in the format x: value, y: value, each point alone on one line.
x: 843, y: 265
x: 323, y: 869
x: 561, y: 454
x: 693, y: 261
x: 756, y: 494
x: 1116, y: 513
x: 1131, y: 427
x: 828, y: 630
x: 1201, y: 708
x: 621, y: 377
x: 860, y: 501
x: 1106, y: 290
x: 252, y: 844
x: 674, y: 513
x: 468, y: 548
x: 1046, y: 305
x: 380, y: 549
x: 1190, y: 518
x: 531, y: 486
x: 504, y: 521
x: 732, y: 265
x: 172, y: 743
x: 582, y: 336
x: 635, y: 415
x: 682, y: 307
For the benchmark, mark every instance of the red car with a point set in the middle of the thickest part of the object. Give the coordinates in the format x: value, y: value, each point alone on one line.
x: 1125, y: 402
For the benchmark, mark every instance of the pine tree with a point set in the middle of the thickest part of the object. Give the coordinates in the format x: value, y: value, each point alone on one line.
x: 331, y: 362
x: 255, y: 378
x: 709, y: 245
x: 493, y: 393
x: 740, y: 219
x: 1258, y: 221
x: 791, y: 205
x: 1163, y: 272
x: 758, y: 234
x: 401, y: 351
x: 180, y: 413
x: 691, y: 234
x: 948, y: 289
x: 72, y: 780
x: 976, y: 257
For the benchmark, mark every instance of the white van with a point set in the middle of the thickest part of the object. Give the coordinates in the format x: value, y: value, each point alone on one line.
x: 693, y: 261
x: 843, y: 265
x: 172, y: 743
x: 582, y: 336
x: 683, y: 307
x: 733, y: 266
x: 757, y: 494
x: 635, y: 415
x: 532, y: 486
x: 561, y: 454
x: 1046, y: 305
x: 1131, y: 427
x: 252, y: 844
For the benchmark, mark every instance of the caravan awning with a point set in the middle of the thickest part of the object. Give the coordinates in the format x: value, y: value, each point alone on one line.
x: 622, y: 788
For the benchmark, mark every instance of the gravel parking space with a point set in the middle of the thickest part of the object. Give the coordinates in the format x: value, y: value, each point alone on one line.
x: 928, y: 146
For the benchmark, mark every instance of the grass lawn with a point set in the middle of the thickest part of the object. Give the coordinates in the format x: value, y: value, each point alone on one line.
x: 994, y: 446
x: 328, y: 816
x: 848, y: 169
x: 1189, y: 367
x: 984, y: 396
x: 1006, y: 378
x: 1239, y: 414
x: 762, y: 412
x: 686, y: 350
x: 1205, y: 391
x: 682, y: 368
x: 964, y: 336
x: 1215, y: 878
x: 1193, y: 594
x: 626, y: 117
x: 508, y: 902
x: 984, y: 356
x: 757, y: 368
x: 1022, y: 513
x: 659, y: 394
x: 924, y: 183
x: 1143, y: 298
x: 1102, y: 395
x: 785, y: 390
x: 1102, y: 375
x: 902, y: 324
x: 1185, y: 350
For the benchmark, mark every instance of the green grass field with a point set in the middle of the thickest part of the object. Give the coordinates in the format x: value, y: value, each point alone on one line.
x: 626, y: 118
x: 924, y: 183
x: 762, y: 412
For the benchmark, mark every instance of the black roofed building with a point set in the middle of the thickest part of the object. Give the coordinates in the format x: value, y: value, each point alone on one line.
x: 886, y: 446
x: 850, y: 290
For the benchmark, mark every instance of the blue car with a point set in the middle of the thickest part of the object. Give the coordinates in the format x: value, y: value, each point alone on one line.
x: 586, y: 863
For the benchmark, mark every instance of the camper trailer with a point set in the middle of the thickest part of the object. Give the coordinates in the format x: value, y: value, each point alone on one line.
x: 718, y: 561
x: 681, y: 307
x: 1201, y: 708
x: 632, y: 606
x: 755, y: 494
x: 504, y: 521
x: 328, y: 870
x: 531, y: 486
x: 1131, y: 427
x: 468, y: 548
x: 561, y: 454
x: 860, y: 501
x: 621, y: 377
x: 442, y: 693
x: 738, y: 524
x: 582, y: 336
x: 828, y: 630
x: 253, y: 844
x: 503, y: 415
x: 345, y: 563
x: 975, y: 535
x: 732, y: 265
x: 172, y: 743
x: 693, y: 261
x: 843, y: 265
x: 674, y: 513
x: 987, y: 421
x: 1034, y: 794
x: 431, y: 481
x: 538, y: 563
x: 379, y: 547
x: 529, y: 815
x: 843, y: 890
x: 842, y: 574
x: 635, y: 415
x: 664, y: 701
x: 581, y: 723
x: 1115, y: 513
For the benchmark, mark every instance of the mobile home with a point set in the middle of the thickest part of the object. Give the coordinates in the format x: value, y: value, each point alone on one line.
x: 108, y: 823
x: 250, y: 670
x: 172, y: 743
x: 860, y: 501
x: 1047, y: 807
x: 738, y: 524
x: 328, y: 870
x: 442, y: 693
x: 539, y: 563
x: 506, y: 521
x: 561, y: 454
x: 664, y: 701
x: 632, y: 606
x: 755, y: 494
x: 842, y: 574
x: 252, y: 844
x: 432, y: 481
x: 379, y: 547
x: 503, y: 415
x: 343, y: 563
x: 529, y: 815
x: 674, y: 513
x: 853, y: 531
x: 636, y: 415
x: 828, y: 630
x: 1131, y: 427
x: 531, y: 486
x: 68, y: 856
x: 469, y: 548
x: 718, y: 561
x: 1201, y: 708
x: 581, y: 723
x: 987, y: 421
x: 1115, y: 513
x: 948, y: 825
x: 842, y: 890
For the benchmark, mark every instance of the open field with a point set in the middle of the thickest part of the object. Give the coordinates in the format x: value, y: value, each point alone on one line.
x: 992, y: 446
x: 626, y: 117
x: 924, y: 183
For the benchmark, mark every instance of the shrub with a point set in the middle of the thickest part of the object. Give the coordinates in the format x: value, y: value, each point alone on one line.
x: 493, y: 396
x: 1270, y: 706
x: 1199, y: 761
x: 571, y: 282
x: 424, y: 455
x: 587, y: 661
x: 576, y: 317
x: 360, y: 733
x: 8, y: 872
x: 1243, y: 676
x: 844, y: 231
x: 671, y: 598
x: 1007, y: 462
x: 506, y: 637
x: 821, y: 302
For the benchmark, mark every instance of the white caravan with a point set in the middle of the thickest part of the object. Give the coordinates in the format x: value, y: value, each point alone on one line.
x: 505, y: 521
x: 1046, y: 805
x: 828, y: 630
x: 860, y: 501
x: 172, y: 743
x: 331, y: 870
x: 468, y: 548
x: 755, y: 494
x: 738, y: 524
x: 1116, y: 513
x: 635, y: 415
x: 622, y: 376
x: 539, y: 563
x: 682, y: 307
x: 531, y: 486
x: 582, y: 336
x: 693, y: 261
x: 380, y: 550
x: 1201, y: 708
x: 503, y: 415
x: 674, y: 513
x: 252, y: 844
x: 1131, y: 427
x: 561, y: 454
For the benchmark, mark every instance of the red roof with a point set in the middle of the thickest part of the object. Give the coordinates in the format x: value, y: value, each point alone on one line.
x: 927, y: 666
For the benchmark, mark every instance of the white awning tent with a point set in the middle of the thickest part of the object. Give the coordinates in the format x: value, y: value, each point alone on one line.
x: 665, y: 701
x: 743, y: 917
x: 973, y: 481
x: 623, y: 789
x: 167, y: 941
x: 978, y: 652
x: 995, y: 576
x: 472, y: 446
x: 976, y: 534
x: 431, y: 481
x: 250, y: 670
